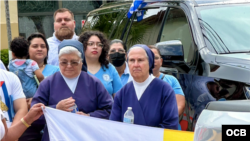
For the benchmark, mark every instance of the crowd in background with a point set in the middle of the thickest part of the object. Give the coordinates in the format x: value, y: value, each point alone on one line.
x: 86, y: 75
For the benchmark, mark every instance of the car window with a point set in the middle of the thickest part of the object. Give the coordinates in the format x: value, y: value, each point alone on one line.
x: 226, y: 28
x: 145, y: 31
x: 176, y: 27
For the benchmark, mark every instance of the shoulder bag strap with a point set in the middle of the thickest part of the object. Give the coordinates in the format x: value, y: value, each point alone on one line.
x: 162, y: 76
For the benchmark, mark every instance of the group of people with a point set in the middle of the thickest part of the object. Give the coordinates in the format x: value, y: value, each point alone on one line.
x: 86, y: 72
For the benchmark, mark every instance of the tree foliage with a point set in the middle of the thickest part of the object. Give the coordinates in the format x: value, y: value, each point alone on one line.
x: 5, y: 56
x: 113, y: 24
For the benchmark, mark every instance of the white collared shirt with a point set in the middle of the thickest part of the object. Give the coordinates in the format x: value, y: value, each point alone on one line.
x: 141, y: 87
x: 71, y: 82
x: 53, y: 49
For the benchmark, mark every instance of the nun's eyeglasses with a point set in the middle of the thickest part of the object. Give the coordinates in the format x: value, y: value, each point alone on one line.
x: 73, y: 63
x: 92, y: 44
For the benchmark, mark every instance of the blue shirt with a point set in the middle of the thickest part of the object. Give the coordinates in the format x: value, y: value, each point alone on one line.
x: 53, y: 49
x: 173, y: 82
x: 49, y: 70
x: 109, y: 78
x: 126, y: 77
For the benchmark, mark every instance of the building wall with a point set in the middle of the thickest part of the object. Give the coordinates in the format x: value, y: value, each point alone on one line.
x: 13, y: 20
x: 37, y: 16
x: 27, y: 17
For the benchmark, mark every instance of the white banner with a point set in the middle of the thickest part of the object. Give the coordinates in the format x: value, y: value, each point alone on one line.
x: 65, y: 126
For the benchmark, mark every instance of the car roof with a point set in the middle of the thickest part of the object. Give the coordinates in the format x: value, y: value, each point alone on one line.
x: 211, y: 2
x: 153, y: 3
x: 109, y: 6
x: 195, y: 2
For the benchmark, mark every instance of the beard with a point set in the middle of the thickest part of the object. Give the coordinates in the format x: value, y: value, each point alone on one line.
x: 64, y: 33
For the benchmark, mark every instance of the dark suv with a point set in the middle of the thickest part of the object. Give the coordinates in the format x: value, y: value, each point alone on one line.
x: 211, y: 40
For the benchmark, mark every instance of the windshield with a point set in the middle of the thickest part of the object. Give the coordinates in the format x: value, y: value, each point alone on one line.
x: 226, y: 28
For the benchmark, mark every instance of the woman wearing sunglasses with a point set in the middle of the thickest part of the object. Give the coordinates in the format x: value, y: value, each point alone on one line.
x: 96, y: 50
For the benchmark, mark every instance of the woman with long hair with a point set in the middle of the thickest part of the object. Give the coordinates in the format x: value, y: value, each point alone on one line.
x: 96, y: 48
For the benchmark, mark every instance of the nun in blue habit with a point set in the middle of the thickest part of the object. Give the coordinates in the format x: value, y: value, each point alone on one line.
x: 72, y: 86
x: 152, y: 100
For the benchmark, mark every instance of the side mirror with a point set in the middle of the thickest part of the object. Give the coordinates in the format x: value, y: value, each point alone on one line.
x: 171, y: 52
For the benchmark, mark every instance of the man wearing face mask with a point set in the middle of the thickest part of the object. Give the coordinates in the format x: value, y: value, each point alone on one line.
x: 117, y: 56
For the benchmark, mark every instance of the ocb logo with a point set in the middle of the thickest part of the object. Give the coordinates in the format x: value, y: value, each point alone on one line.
x: 236, y: 132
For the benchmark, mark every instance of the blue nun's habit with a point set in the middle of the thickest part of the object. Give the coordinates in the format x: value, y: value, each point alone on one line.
x: 90, y: 95
x: 157, y: 107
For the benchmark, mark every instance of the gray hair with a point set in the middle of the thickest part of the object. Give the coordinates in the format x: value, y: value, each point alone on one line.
x: 136, y: 48
x: 69, y: 50
x: 118, y: 41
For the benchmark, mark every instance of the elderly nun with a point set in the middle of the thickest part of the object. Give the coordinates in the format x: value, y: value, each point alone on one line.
x: 72, y: 87
x: 152, y: 100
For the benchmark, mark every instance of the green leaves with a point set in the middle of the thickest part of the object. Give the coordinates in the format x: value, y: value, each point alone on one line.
x: 5, y: 56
